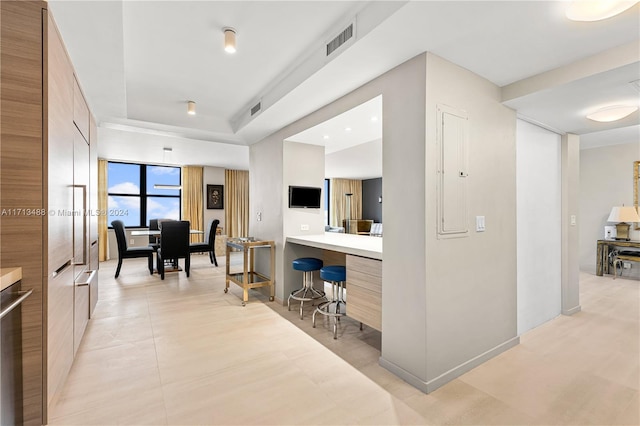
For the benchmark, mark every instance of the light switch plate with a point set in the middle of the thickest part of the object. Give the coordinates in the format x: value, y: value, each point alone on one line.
x: 573, y: 220
x: 480, y: 224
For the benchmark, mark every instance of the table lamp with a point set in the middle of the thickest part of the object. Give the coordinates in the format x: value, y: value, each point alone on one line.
x: 621, y: 215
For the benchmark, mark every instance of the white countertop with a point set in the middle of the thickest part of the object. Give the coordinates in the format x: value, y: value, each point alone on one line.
x: 359, y: 245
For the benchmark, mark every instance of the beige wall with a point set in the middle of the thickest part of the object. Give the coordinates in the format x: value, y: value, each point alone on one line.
x: 606, y: 180
x: 471, y: 282
x: 212, y: 176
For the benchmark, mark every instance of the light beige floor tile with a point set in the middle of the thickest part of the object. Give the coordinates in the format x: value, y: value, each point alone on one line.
x: 181, y: 351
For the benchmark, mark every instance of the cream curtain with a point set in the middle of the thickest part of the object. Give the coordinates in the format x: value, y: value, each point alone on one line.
x: 340, y: 187
x: 236, y: 203
x: 192, y: 207
x: 103, y: 237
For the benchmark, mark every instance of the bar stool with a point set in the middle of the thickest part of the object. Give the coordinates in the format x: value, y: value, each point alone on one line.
x: 337, y: 276
x: 307, y: 293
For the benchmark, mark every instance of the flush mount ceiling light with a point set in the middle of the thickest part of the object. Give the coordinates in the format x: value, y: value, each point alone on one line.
x: 612, y: 113
x: 229, y: 40
x: 191, y: 108
x: 596, y: 10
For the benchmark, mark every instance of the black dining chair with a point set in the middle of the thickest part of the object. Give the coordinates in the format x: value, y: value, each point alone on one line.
x: 209, y: 242
x: 174, y: 245
x: 126, y: 252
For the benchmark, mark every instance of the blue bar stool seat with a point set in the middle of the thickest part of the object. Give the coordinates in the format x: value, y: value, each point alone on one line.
x: 307, y: 293
x: 336, y: 307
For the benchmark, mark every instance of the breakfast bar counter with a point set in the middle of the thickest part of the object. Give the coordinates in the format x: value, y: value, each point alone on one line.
x: 359, y: 245
x: 362, y: 257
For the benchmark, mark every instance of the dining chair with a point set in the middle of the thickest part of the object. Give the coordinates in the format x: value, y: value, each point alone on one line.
x: 126, y: 252
x: 209, y: 242
x: 174, y: 245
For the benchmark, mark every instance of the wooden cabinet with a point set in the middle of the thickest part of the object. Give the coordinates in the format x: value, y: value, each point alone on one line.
x: 42, y: 110
x: 364, y: 290
x: 22, y: 185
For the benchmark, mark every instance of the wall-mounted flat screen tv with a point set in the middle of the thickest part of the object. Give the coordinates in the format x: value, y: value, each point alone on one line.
x: 304, y: 197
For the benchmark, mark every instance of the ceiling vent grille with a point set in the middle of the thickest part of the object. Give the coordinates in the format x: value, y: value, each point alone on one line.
x: 635, y: 84
x: 256, y: 108
x: 340, y: 39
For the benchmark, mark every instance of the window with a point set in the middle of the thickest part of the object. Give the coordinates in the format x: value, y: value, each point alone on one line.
x: 326, y: 202
x: 134, y: 198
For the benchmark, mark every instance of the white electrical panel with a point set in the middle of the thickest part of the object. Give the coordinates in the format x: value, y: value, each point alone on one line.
x: 452, y: 139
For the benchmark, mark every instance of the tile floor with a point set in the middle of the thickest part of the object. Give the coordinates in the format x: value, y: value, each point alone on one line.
x: 181, y: 351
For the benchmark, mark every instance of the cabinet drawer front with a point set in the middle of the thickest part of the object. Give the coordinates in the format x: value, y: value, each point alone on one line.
x: 362, y: 264
x: 365, y: 306
x: 364, y: 280
x: 80, y: 111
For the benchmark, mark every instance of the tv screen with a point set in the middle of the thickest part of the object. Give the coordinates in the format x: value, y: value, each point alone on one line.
x: 304, y: 197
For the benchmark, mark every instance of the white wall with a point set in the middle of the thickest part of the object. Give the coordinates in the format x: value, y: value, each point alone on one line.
x: 147, y: 147
x: 538, y: 180
x: 212, y: 176
x: 303, y: 165
x: 606, y: 180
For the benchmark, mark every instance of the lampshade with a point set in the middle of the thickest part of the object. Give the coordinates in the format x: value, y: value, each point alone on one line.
x: 624, y: 214
x: 229, y: 40
x: 191, y: 108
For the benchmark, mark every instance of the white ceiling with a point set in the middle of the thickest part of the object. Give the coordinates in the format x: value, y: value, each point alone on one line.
x: 139, y: 62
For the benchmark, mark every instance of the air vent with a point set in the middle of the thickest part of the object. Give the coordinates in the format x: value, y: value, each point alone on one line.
x: 340, y: 39
x: 256, y: 108
x: 635, y: 84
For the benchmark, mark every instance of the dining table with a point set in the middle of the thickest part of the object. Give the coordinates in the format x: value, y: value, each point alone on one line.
x: 171, y: 265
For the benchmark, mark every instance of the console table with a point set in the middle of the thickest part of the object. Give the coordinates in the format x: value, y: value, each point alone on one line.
x: 249, y: 278
x: 603, y: 249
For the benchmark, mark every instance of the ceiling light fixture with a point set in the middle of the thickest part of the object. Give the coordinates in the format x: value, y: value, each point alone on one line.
x: 612, y: 113
x: 347, y: 129
x: 596, y: 10
x: 325, y: 137
x: 191, y: 108
x: 229, y: 40
x: 374, y: 118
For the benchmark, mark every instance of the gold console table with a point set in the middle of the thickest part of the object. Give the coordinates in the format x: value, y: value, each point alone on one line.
x: 249, y: 278
x: 602, y: 256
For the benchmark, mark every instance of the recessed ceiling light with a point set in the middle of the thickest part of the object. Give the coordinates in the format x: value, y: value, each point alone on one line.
x: 347, y: 129
x: 229, y: 40
x: 374, y: 118
x: 191, y: 108
x: 596, y: 10
x: 325, y: 137
x: 612, y: 113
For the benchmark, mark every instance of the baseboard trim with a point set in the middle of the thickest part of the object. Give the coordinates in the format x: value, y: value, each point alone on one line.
x: 455, y: 372
x: 571, y: 311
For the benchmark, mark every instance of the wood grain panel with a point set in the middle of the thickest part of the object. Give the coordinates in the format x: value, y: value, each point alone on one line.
x: 93, y: 183
x: 363, y: 264
x: 60, y: 152
x: 60, y: 330
x: 365, y: 306
x: 80, y: 315
x: 364, y: 290
x: 330, y: 257
x: 80, y: 110
x: 21, y: 180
